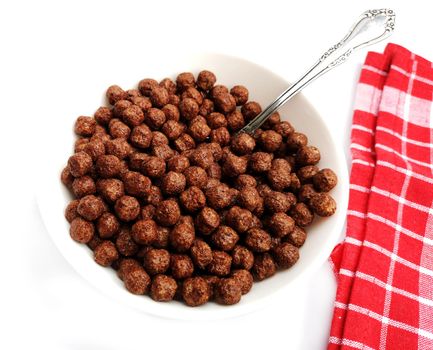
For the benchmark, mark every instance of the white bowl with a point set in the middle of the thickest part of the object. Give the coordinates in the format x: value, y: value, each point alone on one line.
x: 264, y: 86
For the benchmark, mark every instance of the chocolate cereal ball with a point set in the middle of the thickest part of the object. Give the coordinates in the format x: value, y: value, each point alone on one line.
x: 169, y: 85
x: 182, y: 235
x: 141, y: 136
x: 234, y: 165
x: 214, y: 171
x: 219, y: 196
x: 133, y: 115
x: 115, y: 93
x: 297, y: 237
x: 127, y: 208
x: 126, y: 265
x: 147, y: 212
x: 201, y: 253
x: 238, y: 218
x: 171, y: 112
x: 323, y: 204
x: 159, y: 96
x: 301, y: 214
x: 277, y: 202
x: 240, y: 93
x: 216, y: 120
x: 146, y: 85
x: 206, y: 80
x: 195, y: 291
x: 218, y: 90
x: 155, y: 118
x: 103, y: 115
x: 228, y: 291
x: 136, y: 280
x: 178, y: 163
x: 220, y: 264
x: 284, y: 129
x: 172, y: 129
x: 83, y: 186
x: 105, y: 253
x: 260, y: 162
x: 161, y: 240
x: 225, y: 238
x: 244, y: 278
x: 163, y: 288
x: 118, y: 147
x: 207, y: 221
x: 296, y: 140
x: 220, y: 136
x: 200, y: 131
x: 90, y: 207
x: 192, y: 92
x: 270, y: 140
x: 206, y: 108
x: 79, y: 164
x: 85, y: 126
x: 173, y: 183
x: 184, y: 81
x: 245, y: 180
x: 258, y: 240
x: 281, y: 224
x: 136, y: 184
x: 306, y: 193
x: 142, y: 102
x: 242, y: 257
x: 279, y: 176
x: 286, y: 255
x: 119, y: 107
x: 184, y: 142
x: 159, y: 139
x: 308, y: 155
x: 154, y: 167
x: 249, y: 198
x: 250, y: 110
x: 66, y: 177
x: 110, y: 189
x: 181, y: 266
x: 167, y: 212
x: 156, y: 261
x: 225, y: 102
x: 107, y: 225
x: 235, y: 121
x: 192, y: 199
x: 196, y: 176
x: 188, y: 108
x: 242, y: 144
x: 71, y: 210
x: 81, y: 230
x: 144, y: 231
x: 295, y: 183
x: 94, y: 149
x: 306, y: 173
x: 325, y: 180
x: 264, y: 267
x: 125, y: 244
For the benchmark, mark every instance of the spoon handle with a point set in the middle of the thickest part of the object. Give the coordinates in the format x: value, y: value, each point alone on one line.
x: 323, y: 65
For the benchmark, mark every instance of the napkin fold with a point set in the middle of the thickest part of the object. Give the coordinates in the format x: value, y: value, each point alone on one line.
x: 384, y: 267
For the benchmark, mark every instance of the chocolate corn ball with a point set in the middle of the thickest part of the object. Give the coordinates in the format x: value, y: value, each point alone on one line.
x: 105, y: 253
x: 206, y: 80
x: 167, y: 212
x: 136, y: 184
x: 285, y: 255
x: 245, y: 180
x: 110, y: 189
x: 307, y: 155
x: 238, y: 218
x: 155, y: 118
x: 196, y: 176
x: 214, y: 148
x: 136, y: 280
x: 212, y: 281
x: 85, y: 126
x: 306, y: 193
x: 181, y: 266
x: 249, y: 198
x: 228, y: 291
x: 297, y: 237
x: 200, y: 131
x: 81, y: 230
x: 107, y: 225
x: 173, y: 183
x: 301, y: 214
x: 270, y: 140
x: 192, y: 199
x: 225, y: 102
x: 90, y: 207
x: 193, y: 93
x: 156, y: 261
x: 125, y: 244
x: 243, y: 144
x: 258, y: 240
x: 154, y: 167
x: 146, y: 86
x: 306, y: 173
x: 103, y: 115
x: 126, y: 265
x: 171, y: 112
x: 325, y: 180
x: 216, y: 120
x: 202, y: 157
x: 178, y: 163
x: 244, y: 278
x: 195, y: 291
x: 174, y: 100
x: 264, y: 189
x: 218, y: 90
x: 162, y: 236
x: 201, y: 253
x: 323, y: 204
x: 115, y: 93
x: 296, y: 140
x: 184, y: 81
x: 83, y: 186
x: 119, y: 107
x: 141, y: 136
x: 118, y: 147
x: 159, y: 139
x: 225, y: 238
x: 71, y: 210
x: 220, y: 136
x: 264, y: 267
x: 142, y: 102
x: 182, y: 236
x: 277, y: 202
x: 127, y: 208
x: 219, y: 196
x: 207, y: 220
x: 220, y: 264
x: 188, y: 108
x: 144, y: 231
x: 184, y: 142
x: 250, y: 110
x: 279, y: 176
x: 147, y: 212
x: 159, y: 96
x: 133, y: 115
x: 240, y: 94
x: 235, y: 121
x: 284, y: 129
x: 273, y: 120
x: 137, y: 159
x: 66, y: 177
x: 281, y: 224
x: 260, y: 162
x: 214, y: 171
x: 242, y: 257
x: 79, y: 164
x: 163, y: 288
x: 172, y: 129
x: 94, y: 149
x: 234, y: 166
x: 169, y: 85
x: 295, y: 183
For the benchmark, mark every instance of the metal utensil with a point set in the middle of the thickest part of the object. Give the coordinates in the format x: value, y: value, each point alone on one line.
x: 323, y: 65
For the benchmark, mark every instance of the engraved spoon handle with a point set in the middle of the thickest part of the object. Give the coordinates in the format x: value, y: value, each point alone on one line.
x: 323, y: 65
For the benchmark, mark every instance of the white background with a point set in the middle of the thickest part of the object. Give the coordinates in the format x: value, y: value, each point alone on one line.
x: 44, y: 46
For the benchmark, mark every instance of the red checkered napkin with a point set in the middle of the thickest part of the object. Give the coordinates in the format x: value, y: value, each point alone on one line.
x: 384, y: 266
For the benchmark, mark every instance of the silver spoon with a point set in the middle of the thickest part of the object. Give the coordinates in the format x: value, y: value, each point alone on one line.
x: 326, y: 62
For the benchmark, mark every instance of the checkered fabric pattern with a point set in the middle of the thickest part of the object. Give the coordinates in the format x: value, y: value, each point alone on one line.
x: 384, y: 267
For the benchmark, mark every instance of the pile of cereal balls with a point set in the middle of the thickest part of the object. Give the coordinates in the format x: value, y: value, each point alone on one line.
x: 181, y: 205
